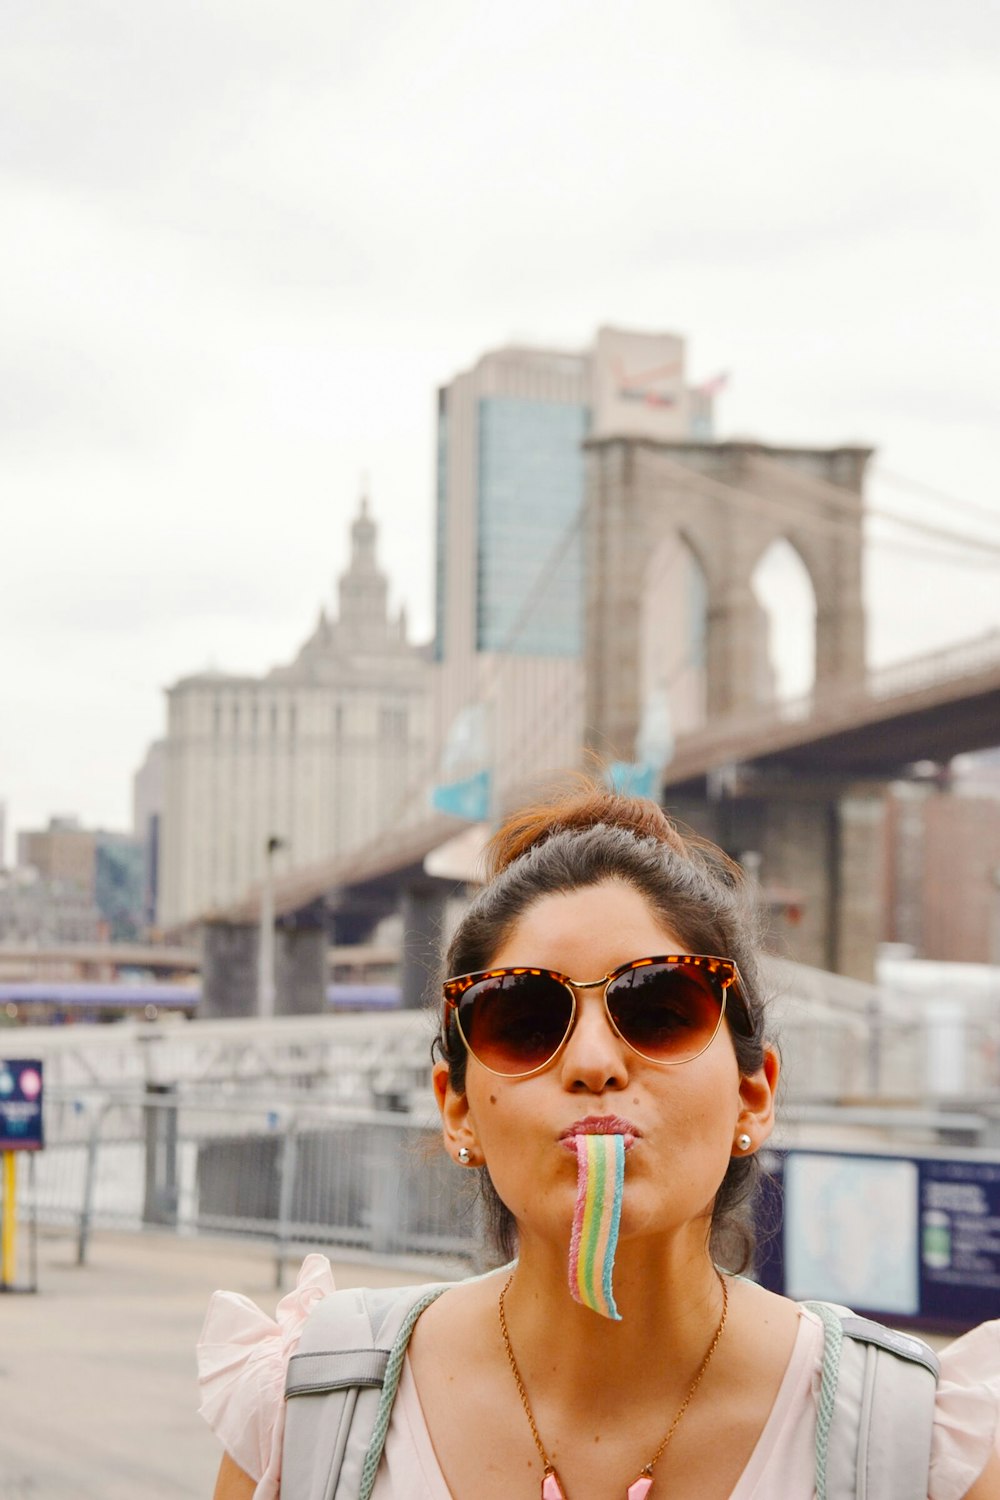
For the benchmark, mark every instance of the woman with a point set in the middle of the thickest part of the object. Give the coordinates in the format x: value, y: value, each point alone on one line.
x: 604, y: 1076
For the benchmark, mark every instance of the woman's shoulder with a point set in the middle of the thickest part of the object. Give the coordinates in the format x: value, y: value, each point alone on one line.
x: 243, y: 1356
x: 965, y: 1432
x: 967, y: 1414
x: 472, y: 1296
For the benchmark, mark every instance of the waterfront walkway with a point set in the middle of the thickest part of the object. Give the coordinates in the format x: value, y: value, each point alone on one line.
x: 98, y: 1398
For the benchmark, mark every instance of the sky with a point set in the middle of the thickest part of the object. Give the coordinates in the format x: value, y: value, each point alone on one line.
x: 246, y: 240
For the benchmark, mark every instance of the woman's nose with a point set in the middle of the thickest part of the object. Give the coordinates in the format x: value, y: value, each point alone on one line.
x: 594, y: 1058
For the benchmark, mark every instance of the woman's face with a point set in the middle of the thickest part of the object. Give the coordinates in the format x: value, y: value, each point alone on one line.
x: 685, y: 1117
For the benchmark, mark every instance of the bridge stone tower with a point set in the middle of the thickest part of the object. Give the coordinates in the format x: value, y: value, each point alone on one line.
x: 819, y: 837
x: 727, y: 502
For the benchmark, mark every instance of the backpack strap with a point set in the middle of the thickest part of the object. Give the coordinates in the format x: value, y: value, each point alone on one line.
x: 340, y: 1387
x: 390, y: 1385
x: 875, y: 1411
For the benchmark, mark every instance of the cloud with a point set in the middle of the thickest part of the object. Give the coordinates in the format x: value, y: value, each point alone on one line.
x: 852, y: 37
x: 252, y: 239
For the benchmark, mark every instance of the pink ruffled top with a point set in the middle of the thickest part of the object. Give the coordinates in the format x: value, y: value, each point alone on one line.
x: 243, y: 1357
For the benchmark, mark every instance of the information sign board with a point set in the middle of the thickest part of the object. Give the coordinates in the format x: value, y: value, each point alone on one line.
x: 911, y: 1238
x: 21, y: 1104
x: 960, y: 1239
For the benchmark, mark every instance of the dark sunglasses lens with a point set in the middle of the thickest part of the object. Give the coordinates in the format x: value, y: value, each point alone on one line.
x: 515, y: 1023
x: 668, y: 1012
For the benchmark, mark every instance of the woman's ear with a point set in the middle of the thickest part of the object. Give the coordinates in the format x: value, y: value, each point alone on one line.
x: 756, y: 1116
x: 456, y: 1121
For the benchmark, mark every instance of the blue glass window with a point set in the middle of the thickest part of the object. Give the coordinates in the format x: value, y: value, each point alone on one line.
x: 530, y: 497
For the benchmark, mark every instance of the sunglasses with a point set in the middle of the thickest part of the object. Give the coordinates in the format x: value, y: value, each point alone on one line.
x: 516, y: 1021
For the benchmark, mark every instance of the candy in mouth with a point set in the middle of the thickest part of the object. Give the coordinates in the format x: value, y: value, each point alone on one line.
x: 600, y: 1182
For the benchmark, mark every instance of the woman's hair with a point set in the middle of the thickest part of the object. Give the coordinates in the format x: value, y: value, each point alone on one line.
x: 580, y: 839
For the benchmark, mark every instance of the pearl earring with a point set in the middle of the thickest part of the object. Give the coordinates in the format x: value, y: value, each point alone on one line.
x: 464, y: 1156
x: 744, y: 1142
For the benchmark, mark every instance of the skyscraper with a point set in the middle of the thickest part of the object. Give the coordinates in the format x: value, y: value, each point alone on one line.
x: 511, y: 476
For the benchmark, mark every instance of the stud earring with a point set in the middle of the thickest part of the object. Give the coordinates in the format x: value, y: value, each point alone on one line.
x: 744, y: 1142
x: 464, y: 1156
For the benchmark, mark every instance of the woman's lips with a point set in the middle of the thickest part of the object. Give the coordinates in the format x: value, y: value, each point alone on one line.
x: 600, y: 1125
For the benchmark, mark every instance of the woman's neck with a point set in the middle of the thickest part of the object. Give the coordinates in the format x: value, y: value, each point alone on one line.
x: 670, y: 1301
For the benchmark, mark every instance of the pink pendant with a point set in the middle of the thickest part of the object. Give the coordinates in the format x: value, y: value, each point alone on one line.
x: 552, y: 1489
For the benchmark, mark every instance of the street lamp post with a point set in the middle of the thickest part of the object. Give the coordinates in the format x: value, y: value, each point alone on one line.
x: 265, y: 964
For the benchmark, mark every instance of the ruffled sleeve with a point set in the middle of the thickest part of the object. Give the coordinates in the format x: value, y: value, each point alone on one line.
x: 242, y: 1362
x: 966, y: 1424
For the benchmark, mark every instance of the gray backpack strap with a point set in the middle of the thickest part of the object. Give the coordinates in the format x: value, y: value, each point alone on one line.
x: 340, y: 1388
x: 876, y: 1410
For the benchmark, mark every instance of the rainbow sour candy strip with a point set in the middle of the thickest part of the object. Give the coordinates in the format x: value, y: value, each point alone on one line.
x: 600, y: 1179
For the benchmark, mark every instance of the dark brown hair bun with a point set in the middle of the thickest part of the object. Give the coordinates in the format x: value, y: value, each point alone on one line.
x: 585, y: 805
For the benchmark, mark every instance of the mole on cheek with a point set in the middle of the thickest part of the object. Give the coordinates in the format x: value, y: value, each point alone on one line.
x: 493, y: 1098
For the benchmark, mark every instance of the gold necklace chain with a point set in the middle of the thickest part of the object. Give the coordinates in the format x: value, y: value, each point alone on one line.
x: 647, y: 1469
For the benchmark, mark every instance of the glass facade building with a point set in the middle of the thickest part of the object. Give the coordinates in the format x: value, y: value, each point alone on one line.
x: 510, y: 482
x: 529, y: 594
x: 512, y: 466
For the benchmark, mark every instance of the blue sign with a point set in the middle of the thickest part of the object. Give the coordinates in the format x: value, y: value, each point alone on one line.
x: 908, y: 1239
x: 632, y: 778
x: 960, y: 1239
x: 20, y: 1105
x: 469, y: 799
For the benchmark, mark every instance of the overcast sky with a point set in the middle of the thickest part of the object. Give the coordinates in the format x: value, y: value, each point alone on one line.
x: 244, y: 242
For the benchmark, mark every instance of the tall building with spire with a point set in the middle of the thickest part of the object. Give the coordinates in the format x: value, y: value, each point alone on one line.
x: 321, y: 754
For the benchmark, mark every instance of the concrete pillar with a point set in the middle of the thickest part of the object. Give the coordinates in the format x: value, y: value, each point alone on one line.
x: 840, y: 617
x: 797, y: 848
x: 229, y: 952
x: 424, y: 902
x: 859, y: 916
x: 300, y: 971
x: 160, y: 1193
x: 734, y: 649
x: 230, y: 955
x: 840, y: 645
x: 614, y: 554
x: 822, y: 850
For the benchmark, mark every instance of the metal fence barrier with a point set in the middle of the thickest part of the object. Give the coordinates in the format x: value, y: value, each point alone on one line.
x: 370, y: 1181
x: 373, y: 1181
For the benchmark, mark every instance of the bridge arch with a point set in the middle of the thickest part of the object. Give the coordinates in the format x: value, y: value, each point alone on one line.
x: 783, y: 585
x: 729, y: 502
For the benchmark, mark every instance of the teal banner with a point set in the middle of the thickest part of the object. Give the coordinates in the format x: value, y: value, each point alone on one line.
x: 632, y: 779
x: 469, y: 799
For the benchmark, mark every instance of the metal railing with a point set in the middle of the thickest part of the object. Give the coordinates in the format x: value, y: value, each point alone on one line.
x: 831, y: 703
x: 304, y: 1132
x: 346, y: 1059
x: 840, y: 1036
x: 371, y: 1181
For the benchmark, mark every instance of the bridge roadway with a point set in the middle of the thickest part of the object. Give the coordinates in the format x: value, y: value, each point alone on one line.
x: 21, y: 960
x: 394, y: 855
x: 931, y: 708
x: 928, y: 708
